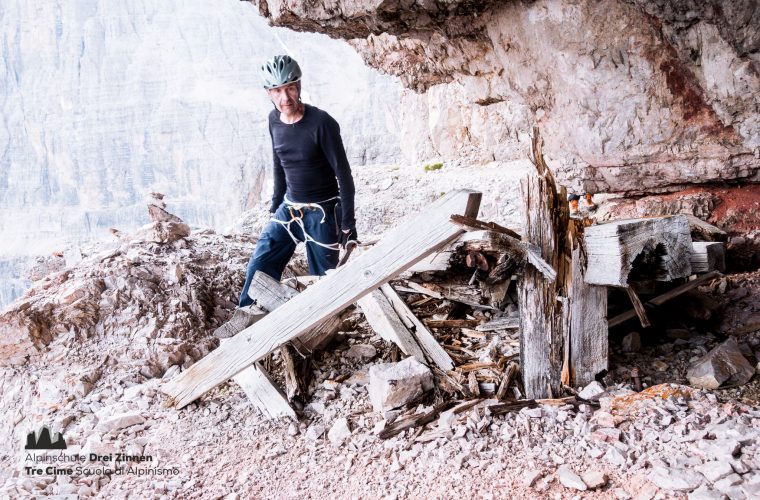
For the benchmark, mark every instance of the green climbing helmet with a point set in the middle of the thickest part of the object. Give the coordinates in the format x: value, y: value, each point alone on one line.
x: 279, y: 71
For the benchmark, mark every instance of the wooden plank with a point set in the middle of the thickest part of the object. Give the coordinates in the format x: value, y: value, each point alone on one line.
x: 543, y: 314
x: 268, y: 293
x: 707, y: 256
x: 263, y: 393
x: 432, y: 349
x: 464, y: 294
x: 242, y: 318
x: 589, y: 334
x: 417, y: 288
x: 638, y: 307
x: 385, y: 322
x: 472, y: 223
x: 451, y: 323
x: 504, y: 323
x: 613, y: 248
x: 395, y: 253
x: 665, y: 297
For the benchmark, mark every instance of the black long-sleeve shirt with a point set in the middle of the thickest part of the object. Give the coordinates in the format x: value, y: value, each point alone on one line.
x: 310, y: 163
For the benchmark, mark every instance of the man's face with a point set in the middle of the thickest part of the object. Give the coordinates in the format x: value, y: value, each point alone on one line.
x: 285, y: 98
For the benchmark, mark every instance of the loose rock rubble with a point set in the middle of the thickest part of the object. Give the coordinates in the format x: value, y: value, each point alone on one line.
x: 96, y: 341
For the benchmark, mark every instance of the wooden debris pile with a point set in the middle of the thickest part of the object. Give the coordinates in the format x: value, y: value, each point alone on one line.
x: 495, y: 315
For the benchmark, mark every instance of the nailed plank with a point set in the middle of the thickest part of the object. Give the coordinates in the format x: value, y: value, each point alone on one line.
x: 432, y: 349
x: 613, y: 249
x: 395, y: 253
x: 589, y: 334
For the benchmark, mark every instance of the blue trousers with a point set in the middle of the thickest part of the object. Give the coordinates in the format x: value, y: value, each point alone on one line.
x: 275, y: 246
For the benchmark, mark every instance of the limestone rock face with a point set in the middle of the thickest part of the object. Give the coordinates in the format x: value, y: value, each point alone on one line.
x: 631, y: 95
x: 103, y: 104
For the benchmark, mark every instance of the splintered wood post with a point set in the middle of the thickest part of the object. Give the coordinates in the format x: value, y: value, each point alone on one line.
x: 295, y: 383
x: 394, y: 254
x: 589, y: 339
x: 509, y: 373
x: 543, y: 309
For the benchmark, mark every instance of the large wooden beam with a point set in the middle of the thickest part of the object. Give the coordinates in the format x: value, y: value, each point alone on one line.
x: 395, y: 253
x: 656, y: 248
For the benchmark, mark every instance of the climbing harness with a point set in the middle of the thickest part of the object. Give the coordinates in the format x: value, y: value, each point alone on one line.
x: 296, y: 215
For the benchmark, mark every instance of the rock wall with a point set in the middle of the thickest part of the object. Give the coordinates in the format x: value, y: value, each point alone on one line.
x: 103, y: 103
x: 632, y: 96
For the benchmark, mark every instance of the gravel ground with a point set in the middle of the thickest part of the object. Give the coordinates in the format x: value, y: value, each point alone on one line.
x: 91, y: 344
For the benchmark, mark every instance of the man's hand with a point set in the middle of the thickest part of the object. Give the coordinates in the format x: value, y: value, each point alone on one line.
x: 347, y: 235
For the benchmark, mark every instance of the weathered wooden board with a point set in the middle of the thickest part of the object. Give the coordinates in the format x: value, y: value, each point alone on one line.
x: 432, y: 349
x: 589, y: 337
x: 638, y: 307
x: 385, y: 322
x: 263, y: 392
x: 613, y: 247
x: 270, y: 294
x: 395, y: 253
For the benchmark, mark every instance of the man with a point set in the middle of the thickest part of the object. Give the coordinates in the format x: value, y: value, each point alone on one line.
x: 313, y: 197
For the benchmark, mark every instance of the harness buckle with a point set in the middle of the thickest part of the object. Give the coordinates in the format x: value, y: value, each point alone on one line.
x: 292, y: 215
